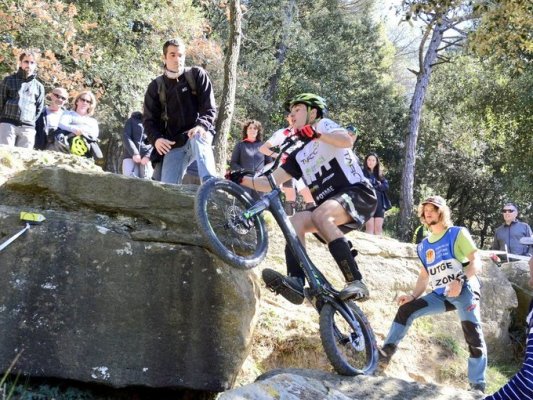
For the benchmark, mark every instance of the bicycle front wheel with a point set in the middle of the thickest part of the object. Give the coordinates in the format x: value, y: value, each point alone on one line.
x: 349, y: 344
x: 219, y: 207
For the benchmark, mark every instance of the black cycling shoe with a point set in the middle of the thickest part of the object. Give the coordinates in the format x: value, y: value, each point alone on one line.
x: 290, y: 287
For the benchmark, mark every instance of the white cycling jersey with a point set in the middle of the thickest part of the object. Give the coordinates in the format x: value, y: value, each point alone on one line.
x: 325, y: 169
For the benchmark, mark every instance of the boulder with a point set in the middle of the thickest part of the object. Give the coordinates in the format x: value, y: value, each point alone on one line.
x: 518, y: 274
x: 296, y: 384
x: 114, y: 286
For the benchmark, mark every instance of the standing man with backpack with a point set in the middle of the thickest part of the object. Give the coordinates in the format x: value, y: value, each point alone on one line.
x: 179, y: 116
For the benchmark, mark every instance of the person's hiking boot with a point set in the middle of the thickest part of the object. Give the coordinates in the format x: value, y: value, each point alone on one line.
x: 479, y: 387
x: 290, y: 287
x: 385, y: 354
x: 355, y: 290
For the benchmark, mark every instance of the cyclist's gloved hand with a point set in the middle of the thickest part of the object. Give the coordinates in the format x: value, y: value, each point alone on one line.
x: 236, y: 176
x: 309, y: 132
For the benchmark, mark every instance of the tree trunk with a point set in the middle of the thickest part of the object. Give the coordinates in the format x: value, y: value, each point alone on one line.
x: 227, y: 103
x: 415, y: 112
x: 113, y: 155
x: 281, y: 51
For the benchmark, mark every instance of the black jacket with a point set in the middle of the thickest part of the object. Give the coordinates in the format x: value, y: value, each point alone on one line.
x: 246, y: 155
x: 134, y: 139
x: 184, y: 109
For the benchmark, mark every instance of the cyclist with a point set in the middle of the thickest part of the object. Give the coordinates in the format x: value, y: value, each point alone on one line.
x: 343, y: 195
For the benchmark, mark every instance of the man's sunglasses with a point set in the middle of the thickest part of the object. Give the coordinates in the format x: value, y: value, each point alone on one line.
x: 60, y: 97
x: 507, y: 211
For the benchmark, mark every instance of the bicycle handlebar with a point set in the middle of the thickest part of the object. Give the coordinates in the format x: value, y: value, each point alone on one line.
x: 289, y: 141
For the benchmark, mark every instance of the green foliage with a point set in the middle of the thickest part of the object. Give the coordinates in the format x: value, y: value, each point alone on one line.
x: 451, y: 345
x: 320, y: 46
x: 111, y: 47
x: 503, y: 35
x: 499, y: 374
x: 475, y: 145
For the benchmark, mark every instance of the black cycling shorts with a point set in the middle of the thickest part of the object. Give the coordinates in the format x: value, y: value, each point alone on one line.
x: 289, y: 184
x: 359, y: 201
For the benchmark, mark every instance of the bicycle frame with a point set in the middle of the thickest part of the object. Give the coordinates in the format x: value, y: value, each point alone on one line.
x: 319, y: 287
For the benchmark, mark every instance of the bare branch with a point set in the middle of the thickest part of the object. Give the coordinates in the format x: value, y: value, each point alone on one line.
x: 440, y: 62
x: 425, y: 37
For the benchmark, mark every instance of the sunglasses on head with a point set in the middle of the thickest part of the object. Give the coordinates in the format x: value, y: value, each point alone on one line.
x: 89, y: 101
x: 507, y: 211
x: 59, y: 96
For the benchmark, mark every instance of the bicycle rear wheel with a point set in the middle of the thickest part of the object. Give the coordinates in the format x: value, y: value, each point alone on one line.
x: 349, y: 344
x: 219, y: 208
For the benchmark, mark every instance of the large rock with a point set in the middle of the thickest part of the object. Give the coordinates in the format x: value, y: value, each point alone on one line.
x: 114, y: 287
x: 518, y: 274
x: 296, y: 384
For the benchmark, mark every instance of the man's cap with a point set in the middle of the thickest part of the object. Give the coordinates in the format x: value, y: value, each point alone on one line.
x: 511, y: 205
x: 527, y: 240
x: 436, y: 201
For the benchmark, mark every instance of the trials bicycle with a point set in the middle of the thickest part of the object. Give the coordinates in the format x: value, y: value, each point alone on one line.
x: 234, y: 229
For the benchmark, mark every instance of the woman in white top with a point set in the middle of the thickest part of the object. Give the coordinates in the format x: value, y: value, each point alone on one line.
x: 80, y: 120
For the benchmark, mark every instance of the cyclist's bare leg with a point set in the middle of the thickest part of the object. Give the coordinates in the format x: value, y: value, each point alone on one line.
x: 303, y: 223
x: 378, y: 226
x: 369, y: 226
x: 327, y: 217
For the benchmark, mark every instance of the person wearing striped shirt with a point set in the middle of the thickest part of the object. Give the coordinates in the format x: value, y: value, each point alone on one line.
x: 520, y: 387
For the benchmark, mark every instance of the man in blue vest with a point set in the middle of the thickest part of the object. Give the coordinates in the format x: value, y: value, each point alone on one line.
x: 450, y: 262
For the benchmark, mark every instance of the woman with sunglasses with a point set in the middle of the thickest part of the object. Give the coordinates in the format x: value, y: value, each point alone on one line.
x: 80, y: 121
x: 81, y: 126
x: 48, y: 121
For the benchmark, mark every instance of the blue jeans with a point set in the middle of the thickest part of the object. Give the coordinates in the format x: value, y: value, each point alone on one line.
x: 467, y: 305
x: 176, y: 161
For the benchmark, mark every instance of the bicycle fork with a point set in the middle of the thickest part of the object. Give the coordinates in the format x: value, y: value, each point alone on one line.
x: 355, y: 339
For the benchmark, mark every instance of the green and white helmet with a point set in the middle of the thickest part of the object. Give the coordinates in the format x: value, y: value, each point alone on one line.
x: 310, y: 100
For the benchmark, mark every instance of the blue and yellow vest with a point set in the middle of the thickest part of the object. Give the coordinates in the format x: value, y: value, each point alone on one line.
x: 439, y: 260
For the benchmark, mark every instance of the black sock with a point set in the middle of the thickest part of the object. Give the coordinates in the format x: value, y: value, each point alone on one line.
x: 340, y: 250
x: 293, y: 266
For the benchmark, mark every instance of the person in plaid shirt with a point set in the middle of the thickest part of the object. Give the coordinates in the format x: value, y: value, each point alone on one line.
x: 21, y: 103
